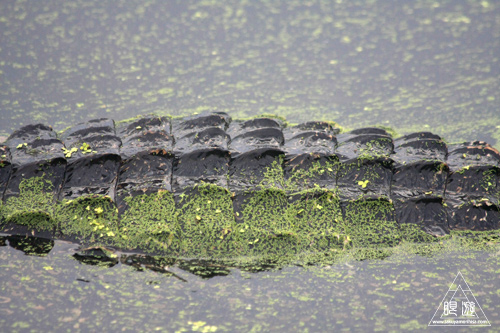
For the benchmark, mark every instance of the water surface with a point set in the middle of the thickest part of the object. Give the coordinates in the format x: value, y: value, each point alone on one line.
x: 420, y: 65
x: 56, y: 292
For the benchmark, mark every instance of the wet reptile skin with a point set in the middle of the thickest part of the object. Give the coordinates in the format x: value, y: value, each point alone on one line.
x: 437, y: 185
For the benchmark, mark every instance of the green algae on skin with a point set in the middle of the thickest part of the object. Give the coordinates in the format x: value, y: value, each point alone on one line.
x: 318, y: 216
x: 273, y: 222
x: 34, y: 207
x: 206, y: 222
x: 92, y: 218
x: 270, y: 219
x: 264, y: 223
x: 371, y: 222
x: 150, y: 222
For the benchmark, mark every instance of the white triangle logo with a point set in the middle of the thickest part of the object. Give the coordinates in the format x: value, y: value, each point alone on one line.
x: 459, y: 307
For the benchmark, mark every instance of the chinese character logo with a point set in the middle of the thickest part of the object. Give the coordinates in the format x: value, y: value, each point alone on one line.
x: 459, y: 307
x: 449, y: 309
x: 468, y: 309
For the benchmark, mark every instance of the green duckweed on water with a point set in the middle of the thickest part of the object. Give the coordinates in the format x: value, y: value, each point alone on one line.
x: 356, y: 290
x: 414, y: 66
x: 419, y: 65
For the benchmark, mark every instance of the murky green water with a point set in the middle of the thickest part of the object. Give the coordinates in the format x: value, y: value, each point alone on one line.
x: 421, y: 65
x: 417, y: 65
x: 57, y: 293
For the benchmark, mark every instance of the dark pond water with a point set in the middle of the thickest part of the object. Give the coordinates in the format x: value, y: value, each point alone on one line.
x: 420, y: 65
x: 50, y: 290
x: 415, y: 65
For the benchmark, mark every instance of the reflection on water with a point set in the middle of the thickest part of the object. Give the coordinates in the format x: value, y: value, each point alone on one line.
x: 96, y: 256
x: 104, y: 257
x: 29, y: 245
x: 96, y: 289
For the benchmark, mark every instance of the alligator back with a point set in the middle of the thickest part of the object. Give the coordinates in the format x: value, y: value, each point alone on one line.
x: 207, y: 183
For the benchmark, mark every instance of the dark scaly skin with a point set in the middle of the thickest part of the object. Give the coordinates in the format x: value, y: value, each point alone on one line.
x: 429, y: 183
